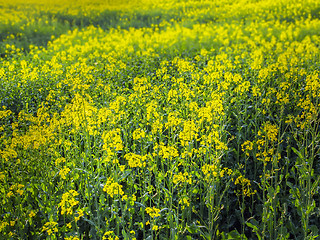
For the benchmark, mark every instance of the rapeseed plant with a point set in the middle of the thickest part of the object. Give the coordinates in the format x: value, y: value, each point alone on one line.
x: 68, y: 201
x: 180, y: 119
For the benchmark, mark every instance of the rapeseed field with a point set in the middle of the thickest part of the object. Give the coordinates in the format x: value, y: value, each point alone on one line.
x: 162, y: 119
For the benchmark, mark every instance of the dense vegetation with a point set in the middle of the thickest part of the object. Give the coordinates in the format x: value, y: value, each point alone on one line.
x: 159, y: 120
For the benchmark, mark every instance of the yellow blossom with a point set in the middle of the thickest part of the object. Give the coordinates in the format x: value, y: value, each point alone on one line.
x: 68, y: 201
x: 153, y: 212
x: 112, y: 188
x: 50, y: 228
x: 138, y: 133
x: 63, y: 172
x: 135, y: 160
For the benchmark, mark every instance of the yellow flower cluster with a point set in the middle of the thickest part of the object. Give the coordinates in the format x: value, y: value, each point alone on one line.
x: 166, y: 152
x: 141, y: 85
x: 59, y: 160
x: 79, y: 214
x: 4, y: 113
x: 8, y: 153
x: 138, y: 134
x: 312, y: 84
x: 50, y: 228
x: 109, y: 235
x: 68, y: 201
x: 309, y: 113
x: 72, y: 238
x: 3, y: 225
x: 268, y: 155
x: 225, y: 171
x: 185, y: 202
x: 245, y: 186
x: 189, y: 133
x: 267, y: 139
x: 18, y: 188
x: 135, y: 160
x: 247, y: 146
x: 112, y: 188
x: 32, y: 214
x: 173, y: 121
x: 210, y: 170
x: 79, y: 114
x: 182, y: 178
x: 112, y: 140
x: 153, y: 212
x: 3, y: 176
x: 271, y: 132
x: 63, y: 172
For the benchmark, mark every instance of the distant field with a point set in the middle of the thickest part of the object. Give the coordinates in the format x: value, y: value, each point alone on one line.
x: 159, y: 119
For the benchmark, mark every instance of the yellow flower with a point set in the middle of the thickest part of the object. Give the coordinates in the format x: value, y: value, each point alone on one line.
x: 63, y: 172
x: 17, y: 188
x: 50, y: 228
x: 247, y: 146
x: 112, y: 140
x: 124, y: 197
x: 184, y: 201
x: 224, y: 171
x: 210, y: 170
x: 138, y: 133
x: 190, y: 132
x: 135, y: 160
x: 182, y: 178
x: 9, y: 194
x: 112, y: 188
x: 245, y: 186
x: 122, y: 167
x: 168, y: 152
x: 79, y: 215
x: 59, y: 160
x: 271, y: 131
x: 153, y: 212
x: 109, y: 235
x: 3, y: 224
x: 32, y: 214
x: 173, y: 121
x: 313, y: 84
x: 155, y: 227
x: 5, y: 113
x: 68, y: 202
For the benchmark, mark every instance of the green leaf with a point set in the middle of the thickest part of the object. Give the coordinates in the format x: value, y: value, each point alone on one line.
x: 255, y: 226
x: 192, y: 228
x: 125, y: 175
x: 289, y: 184
x: 125, y: 235
x: 297, y: 152
x: 314, y: 230
x: 233, y: 235
x: 102, y: 199
x: 90, y: 222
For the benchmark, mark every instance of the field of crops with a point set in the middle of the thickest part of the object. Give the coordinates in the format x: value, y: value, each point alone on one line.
x: 164, y: 119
